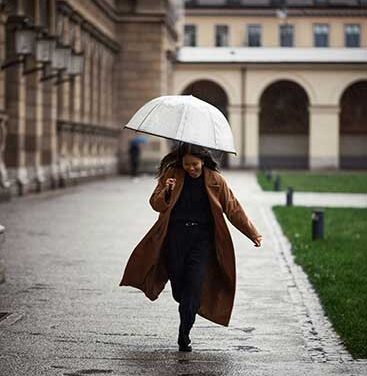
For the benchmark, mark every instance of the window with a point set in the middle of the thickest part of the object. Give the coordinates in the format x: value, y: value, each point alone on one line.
x: 277, y: 3
x: 352, y: 35
x: 254, y: 35
x: 286, y: 35
x: 190, y: 35
x: 233, y: 2
x: 221, y: 36
x: 321, y: 2
x: 321, y: 35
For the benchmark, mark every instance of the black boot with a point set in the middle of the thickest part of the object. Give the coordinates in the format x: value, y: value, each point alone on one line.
x: 184, y: 342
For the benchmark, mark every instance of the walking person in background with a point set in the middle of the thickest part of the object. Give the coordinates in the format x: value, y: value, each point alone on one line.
x: 134, y: 154
x: 190, y: 244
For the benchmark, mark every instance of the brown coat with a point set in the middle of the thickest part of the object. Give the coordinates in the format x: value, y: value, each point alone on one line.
x: 145, y: 269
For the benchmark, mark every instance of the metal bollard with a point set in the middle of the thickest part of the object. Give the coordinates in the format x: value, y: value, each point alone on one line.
x: 289, y: 196
x: 317, y: 224
x: 277, y: 183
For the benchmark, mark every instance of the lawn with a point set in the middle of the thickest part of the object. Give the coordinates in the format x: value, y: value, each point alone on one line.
x: 336, y: 266
x: 306, y: 181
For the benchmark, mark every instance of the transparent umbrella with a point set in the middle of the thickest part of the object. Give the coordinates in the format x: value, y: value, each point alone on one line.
x: 184, y: 118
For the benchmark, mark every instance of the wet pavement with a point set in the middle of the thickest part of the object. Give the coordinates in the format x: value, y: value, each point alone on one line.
x: 64, y: 255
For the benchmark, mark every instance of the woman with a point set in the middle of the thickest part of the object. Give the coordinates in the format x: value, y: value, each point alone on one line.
x: 190, y: 243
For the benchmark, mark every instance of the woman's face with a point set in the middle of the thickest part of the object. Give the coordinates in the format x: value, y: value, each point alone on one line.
x: 192, y: 165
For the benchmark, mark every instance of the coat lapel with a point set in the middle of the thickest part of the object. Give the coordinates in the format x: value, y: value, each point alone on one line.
x: 180, y: 177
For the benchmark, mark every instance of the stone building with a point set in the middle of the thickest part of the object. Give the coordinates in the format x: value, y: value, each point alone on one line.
x: 290, y: 75
x: 73, y: 72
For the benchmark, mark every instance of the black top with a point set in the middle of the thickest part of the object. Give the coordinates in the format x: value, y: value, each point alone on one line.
x: 193, y: 203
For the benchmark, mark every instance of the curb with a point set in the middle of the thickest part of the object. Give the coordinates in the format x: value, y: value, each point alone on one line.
x: 322, y: 343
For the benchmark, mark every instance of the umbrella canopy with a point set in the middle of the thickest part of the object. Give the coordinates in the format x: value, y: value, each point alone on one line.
x: 184, y: 118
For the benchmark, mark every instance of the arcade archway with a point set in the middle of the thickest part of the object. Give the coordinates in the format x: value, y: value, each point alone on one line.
x: 353, y: 126
x: 214, y: 94
x: 284, y: 126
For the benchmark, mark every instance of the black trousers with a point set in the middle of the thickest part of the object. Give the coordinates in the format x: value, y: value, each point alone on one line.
x: 187, y: 249
x: 134, y: 164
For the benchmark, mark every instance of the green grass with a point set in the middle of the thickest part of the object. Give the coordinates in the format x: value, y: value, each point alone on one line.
x: 306, y: 181
x: 336, y: 266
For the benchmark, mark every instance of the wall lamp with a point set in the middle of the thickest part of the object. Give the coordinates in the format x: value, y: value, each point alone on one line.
x: 24, y: 42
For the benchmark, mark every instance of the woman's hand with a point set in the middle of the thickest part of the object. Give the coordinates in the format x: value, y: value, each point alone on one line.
x: 257, y: 241
x: 170, y: 184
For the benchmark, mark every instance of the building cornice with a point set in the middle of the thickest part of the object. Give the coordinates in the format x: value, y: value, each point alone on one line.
x: 271, y: 55
x: 278, y: 65
x: 140, y: 17
x: 66, y: 9
x: 271, y: 12
x: 94, y: 129
x: 149, y: 18
x: 106, y: 8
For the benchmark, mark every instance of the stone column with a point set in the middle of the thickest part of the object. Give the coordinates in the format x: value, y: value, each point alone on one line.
x: 86, y: 89
x: 110, y: 89
x: 251, y: 136
x: 94, y: 85
x: 34, y: 131
x: 4, y: 181
x: 75, y: 102
x: 235, y: 120
x: 49, y: 136
x: 2, y: 267
x: 15, y: 157
x: 62, y: 118
x: 324, y: 137
x: 86, y: 103
x: 104, y: 93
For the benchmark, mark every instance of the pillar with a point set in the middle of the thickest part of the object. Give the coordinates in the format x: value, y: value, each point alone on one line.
x: 251, y: 136
x: 4, y: 181
x: 49, y: 136
x: 15, y: 157
x: 34, y: 131
x: 235, y: 120
x: 86, y: 102
x: 324, y: 137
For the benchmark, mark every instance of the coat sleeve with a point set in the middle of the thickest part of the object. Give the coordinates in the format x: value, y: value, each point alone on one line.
x: 159, y: 200
x: 235, y: 213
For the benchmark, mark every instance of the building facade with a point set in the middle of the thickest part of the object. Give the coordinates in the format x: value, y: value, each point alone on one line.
x: 291, y: 76
x: 73, y: 73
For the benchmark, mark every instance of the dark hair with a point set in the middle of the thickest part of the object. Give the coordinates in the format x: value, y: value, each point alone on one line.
x: 174, y: 158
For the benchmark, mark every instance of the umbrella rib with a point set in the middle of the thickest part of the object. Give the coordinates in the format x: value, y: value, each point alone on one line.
x: 181, y: 125
x: 210, y: 116
x: 146, y: 116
